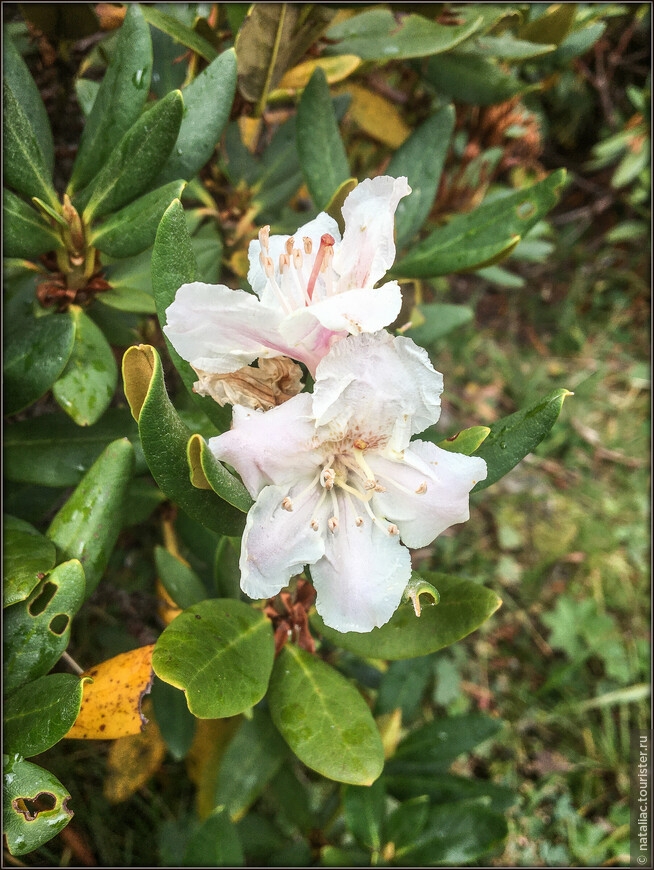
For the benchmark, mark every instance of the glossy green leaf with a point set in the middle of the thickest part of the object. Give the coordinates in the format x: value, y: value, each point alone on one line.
x: 137, y: 159
x: 364, y: 808
x: 132, y: 229
x: 220, y: 652
x: 26, y: 827
x: 174, y: 264
x: 35, y: 355
x: 438, y: 743
x: 207, y: 247
x: 504, y: 46
x: 119, y: 100
x: 476, y: 81
x: 478, y: 238
x: 320, y: 148
x: 179, y: 31
x: 86, y: 92
x: 577, y: 43
x: 179, y: 580
x: 466, y: 441
x: 164, y: 438
x: 37, y: 630
x: 24, y: 164
x: 376, y: 35
x: 436, y: 320
x: 24, y: 88
x: 209, y: 472
x: 129, y: 299
x: 253, y: 757
x: 87, y: 525
x: 207, y: 104
x: 26, y: 557
x: 24, y: 232
x: 88, y: 382
x: 513, y: 437
x: 214, y: 844
x: 51, y: 450
x: 176, y: 724
x: 406, y: 821
x: 40, y: 713
x: 324, y: 719
x: 463, y: 607
x: 421, y: 159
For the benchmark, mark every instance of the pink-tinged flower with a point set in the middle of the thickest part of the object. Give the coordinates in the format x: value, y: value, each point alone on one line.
x: 311, y: 289
x: 338, y: 483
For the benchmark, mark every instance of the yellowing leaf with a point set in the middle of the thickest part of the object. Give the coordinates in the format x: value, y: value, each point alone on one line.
x: 203, y: 759
x: 133, y: 760
x: 390, y: 728
x: 166, y: 607
x: 111, y: 704
x: 376, y: 116
x: 335, y: 68
x: 250, y: 129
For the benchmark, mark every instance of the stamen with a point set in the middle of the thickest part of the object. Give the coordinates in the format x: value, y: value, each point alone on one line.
x: 359, y: 521
x: 379, y: 488
x: 287, y: 504
x: 264, y: 236
x: 284, y: 262
x: 327, y: 478
x: 308, y: 244
x: 393, y: 529
x: 422, y: 488
x: 298, y: 275
x: 269, y: 269
x: 326, y: 242
x: 314, y: 525
x: 332, y: 522
x: 289, y: 245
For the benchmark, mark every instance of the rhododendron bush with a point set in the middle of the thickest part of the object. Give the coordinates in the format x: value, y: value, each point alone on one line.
x: 256, y: 254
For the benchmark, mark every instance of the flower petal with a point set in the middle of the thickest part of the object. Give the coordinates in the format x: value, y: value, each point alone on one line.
x: 426, y: 492
x: 381, y: 387
x: 220, y: 330
x: 278, y: 543
x: 271, y: 447
x: 368, y: 249
x: 363, y: 574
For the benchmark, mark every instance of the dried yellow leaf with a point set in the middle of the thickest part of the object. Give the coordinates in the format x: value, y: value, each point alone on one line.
x: 376, y: 116
x: 390, y: 729
x: 166, y: 607
x: 133, y: 760
x: 335, y: 68
x: 250, y: 129
x: 111, y: 704
x: 203, y: 759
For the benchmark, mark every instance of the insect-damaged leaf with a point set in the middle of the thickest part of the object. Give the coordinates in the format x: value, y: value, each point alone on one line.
x: 27, y: 556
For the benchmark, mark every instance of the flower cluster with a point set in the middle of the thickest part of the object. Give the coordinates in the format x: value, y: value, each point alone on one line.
x: 337, y: 481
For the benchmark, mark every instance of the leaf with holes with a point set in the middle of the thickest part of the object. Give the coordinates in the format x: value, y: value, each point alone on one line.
x: 27, y: 556
x: 220, y: 652
x: 87, y: 525
x: 324, y: 719
x: 38, y: 714
x: 34, y: 805
x: 25, y: 233
x: 463, y: 607
x: 111, y: 706
x: 485, y: 235
x: 37, y: 630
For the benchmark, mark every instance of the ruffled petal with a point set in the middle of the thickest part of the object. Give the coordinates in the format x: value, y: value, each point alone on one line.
x: 271, y: 447
x: 361, y: 578
x: 377, y: 388
x: 426, y: 492
x: 368, y: 249
x: 219, y: 330
x: 278, y: 543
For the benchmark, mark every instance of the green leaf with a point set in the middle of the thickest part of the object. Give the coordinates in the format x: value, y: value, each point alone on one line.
x: 253, y: 757
x: 552, y: 26
x: 27, y: 94
x: 179, y: 580
x: 129, y: 299
x: 164, y: 438
x: 376, y: 35
x: 37, y: 630
x: 26, y: 557
x: 446, y: 788
x: 51, y: 450
x: 26, y: 827
x: 220, y: 652
x: 364, y: 808
x: 406, y: 822
x: 320, y: 148
x: 438, y: 743
x: 504, y: 46
x: 208, y: 472
x: 464, y: 606
x: 87, y: 525
x: 438, y: 320
x: 472, y: 80
x: 24, y: 165
x: 25, y: 233
x: 133, y: 229
x: 403, y: 685
x: 137, y: 158
x: 40, y: 713
x: 334, y: 856
x: 421, y: 159
x: 207, y: 104
x: 180, y: 32
x: 208, y: 252
x: 88, y: 382
x: 86, y: 92
x: 119, y: 100
x: 466, y: 441
x: 324, y: 719
x: 476, y: 239
x: 176, y: 724
x: 35, y: 355
x: 174, y: 264
x: 577, y: 43
x: 513, y: 437
x: 214, y: 844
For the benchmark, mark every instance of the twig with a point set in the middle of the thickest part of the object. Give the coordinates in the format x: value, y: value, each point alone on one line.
x: 72, y: 664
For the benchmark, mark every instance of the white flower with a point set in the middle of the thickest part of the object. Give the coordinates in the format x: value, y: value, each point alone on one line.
x: 338, y: 482
x: 311, y: 289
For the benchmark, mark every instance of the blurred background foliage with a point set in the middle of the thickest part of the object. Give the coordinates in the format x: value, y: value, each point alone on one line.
x: 563, y: 666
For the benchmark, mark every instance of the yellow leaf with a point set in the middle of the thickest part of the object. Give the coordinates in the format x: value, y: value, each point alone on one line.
x: 390, y: 728
x: 203, y: 759
x: 133, y: 760
x: 166, y: 607
x: 239, y: 263
x: 250, y: 129
x: 376, y: 116
x: 111, y: 704
x: 335, y: 68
